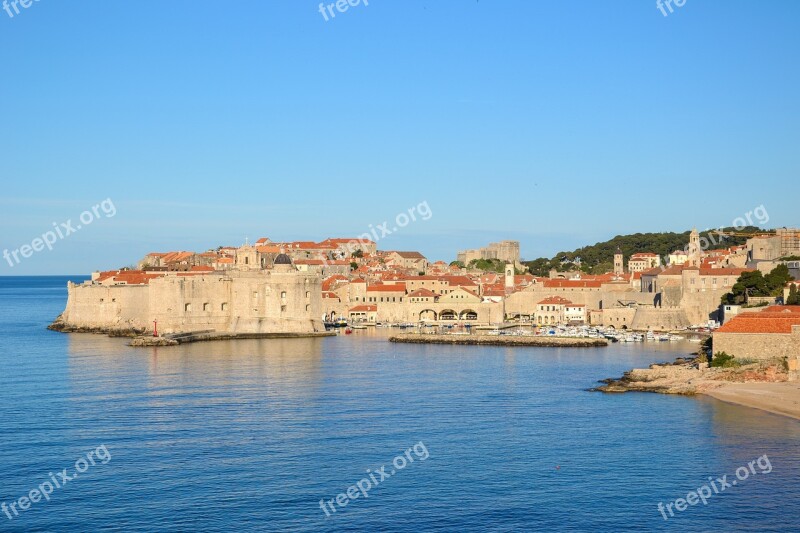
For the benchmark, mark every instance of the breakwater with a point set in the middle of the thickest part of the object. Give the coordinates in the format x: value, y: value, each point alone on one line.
x: 205, y: 336
x: 500, y: 340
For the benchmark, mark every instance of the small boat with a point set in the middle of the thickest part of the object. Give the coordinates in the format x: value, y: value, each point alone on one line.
x: 348, y: 331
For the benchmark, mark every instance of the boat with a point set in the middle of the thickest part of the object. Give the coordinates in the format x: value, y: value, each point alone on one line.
x: 348, y: 331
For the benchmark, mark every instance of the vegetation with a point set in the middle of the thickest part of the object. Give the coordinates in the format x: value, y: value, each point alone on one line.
x: 458, y: 264
x: 756, y: 284
x: 358, y: 254
x: 794, y: 296
x: 488, y: 265
x: 599, y: 258
x: 706, y: 349
x: 353, y: 265
x: 723, y: 360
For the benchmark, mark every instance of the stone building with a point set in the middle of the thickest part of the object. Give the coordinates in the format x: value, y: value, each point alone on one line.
x: 773, y: 332
x: 278, y: 300
x: 507, y: 251
x: 643, y: 261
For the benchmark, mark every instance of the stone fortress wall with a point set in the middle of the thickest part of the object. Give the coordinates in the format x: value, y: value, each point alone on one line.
x: 231, y: 302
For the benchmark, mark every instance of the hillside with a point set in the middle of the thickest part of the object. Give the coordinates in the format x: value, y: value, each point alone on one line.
x: 599, y: 258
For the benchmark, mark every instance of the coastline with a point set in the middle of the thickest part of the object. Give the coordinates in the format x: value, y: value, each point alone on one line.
x: 763, y: 385
x: 781, y: 398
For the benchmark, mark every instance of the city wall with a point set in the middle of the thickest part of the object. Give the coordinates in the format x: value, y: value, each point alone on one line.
x: 235, y: 302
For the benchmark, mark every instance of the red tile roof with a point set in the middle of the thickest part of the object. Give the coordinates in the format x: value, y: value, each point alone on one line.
x: 399, y: 287
x: 556, y: 300
x: 409, y: 255
x: 364, y: 309
x: 723, y: 271
x: 422, y: 293
x: 563, y: 283
x: 779, y: 320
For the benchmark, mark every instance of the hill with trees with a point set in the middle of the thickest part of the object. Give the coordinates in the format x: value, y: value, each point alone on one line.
x: 599, y: 258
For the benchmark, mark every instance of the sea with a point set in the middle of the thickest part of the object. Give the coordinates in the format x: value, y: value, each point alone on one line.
x: 354, y: 433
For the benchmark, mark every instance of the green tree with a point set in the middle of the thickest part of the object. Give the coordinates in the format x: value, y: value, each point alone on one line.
x: 353, y: 265
x: 794, y: 296
x: 488, y: 265
x: 777, y: 280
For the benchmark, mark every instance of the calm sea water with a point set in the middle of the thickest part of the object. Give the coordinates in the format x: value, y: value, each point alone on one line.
x: 251, y: 435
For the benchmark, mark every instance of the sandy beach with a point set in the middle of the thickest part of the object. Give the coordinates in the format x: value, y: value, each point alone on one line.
x: 779, y: 398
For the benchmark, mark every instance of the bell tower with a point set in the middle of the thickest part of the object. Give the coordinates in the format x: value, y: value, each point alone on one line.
x: 619, y: 266
x: 694, y: 248
x: 509, y: 276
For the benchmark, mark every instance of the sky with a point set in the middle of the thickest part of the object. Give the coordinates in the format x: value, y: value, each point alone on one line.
x: 558, y: 124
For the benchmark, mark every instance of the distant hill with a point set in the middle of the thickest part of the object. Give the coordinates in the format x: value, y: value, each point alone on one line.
x: 599, y: 258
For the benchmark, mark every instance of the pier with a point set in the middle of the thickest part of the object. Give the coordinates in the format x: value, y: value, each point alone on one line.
x: 500, y: 340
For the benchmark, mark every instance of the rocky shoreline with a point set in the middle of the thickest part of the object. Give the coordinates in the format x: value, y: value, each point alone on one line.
x: 498, y: 340
x: 689, y: 376
x: 62, y: 327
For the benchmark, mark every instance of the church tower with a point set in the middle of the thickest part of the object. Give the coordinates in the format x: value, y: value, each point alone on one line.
x: 694, y: 250
x: 509, y: 276
x: 619, y: 267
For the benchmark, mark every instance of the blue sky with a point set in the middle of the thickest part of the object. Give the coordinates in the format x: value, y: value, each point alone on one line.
x: 555, y: 123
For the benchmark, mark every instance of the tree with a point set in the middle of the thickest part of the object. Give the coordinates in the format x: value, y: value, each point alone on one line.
x: 353, y: 265
x: 794, y: 296
x: 593, y: 258
x: 748, y: 284
x: 756, y: 284
x: 777, y: 280
x: 488, y: 265
x: 358, y: 254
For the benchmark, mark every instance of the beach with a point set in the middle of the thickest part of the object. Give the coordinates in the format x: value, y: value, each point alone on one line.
x: 779, y: 398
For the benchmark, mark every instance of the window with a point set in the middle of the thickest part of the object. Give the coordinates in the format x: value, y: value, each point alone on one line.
x: 308, y: 294
x: 308, y: 308
x: 206, y: 306
x: 283, y: 309
x: 187, y: 308
x: 224, y: 307
x: 283, y: 294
